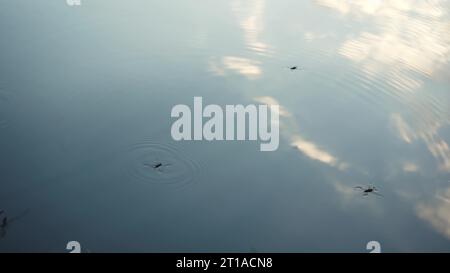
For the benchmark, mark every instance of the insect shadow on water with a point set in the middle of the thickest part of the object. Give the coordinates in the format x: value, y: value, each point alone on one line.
x: 5, y: 222
x: 162, y: 164
x: 370, y: 189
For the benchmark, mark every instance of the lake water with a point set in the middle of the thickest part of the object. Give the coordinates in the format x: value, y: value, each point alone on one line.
x: 85, y: 99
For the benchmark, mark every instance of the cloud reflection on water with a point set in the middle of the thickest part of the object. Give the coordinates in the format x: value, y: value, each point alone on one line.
x: 437, y: 212
x: 289, y: 129
x: 409, y: 44
x: 243, y: 66
x: 250, y: 14
x: 435, y: 144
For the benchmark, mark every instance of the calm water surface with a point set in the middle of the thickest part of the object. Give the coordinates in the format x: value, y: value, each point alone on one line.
x: 85, y: 100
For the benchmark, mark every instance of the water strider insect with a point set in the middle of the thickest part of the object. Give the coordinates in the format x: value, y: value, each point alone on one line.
x: 295, y: 68
x: 157, y: 166
x: 369, y: 189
